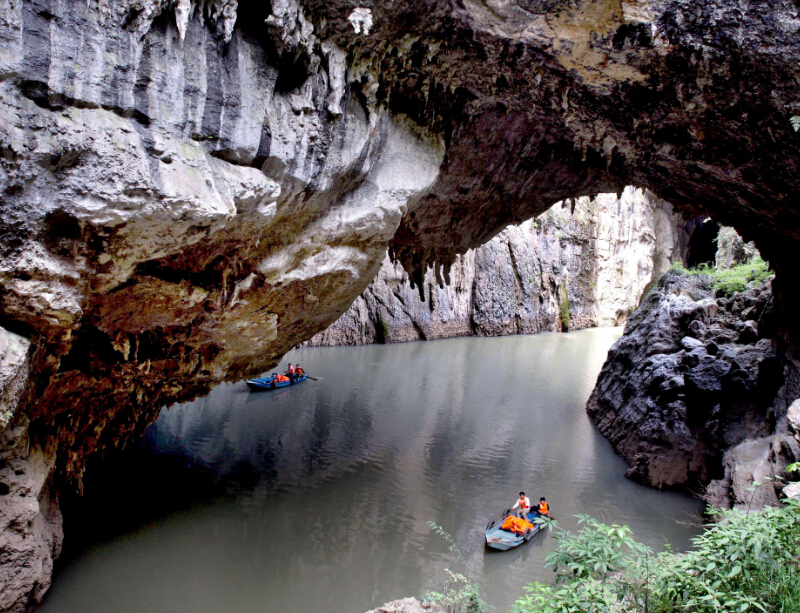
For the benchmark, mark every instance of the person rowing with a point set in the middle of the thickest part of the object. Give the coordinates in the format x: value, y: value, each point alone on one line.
x: 524, y: 504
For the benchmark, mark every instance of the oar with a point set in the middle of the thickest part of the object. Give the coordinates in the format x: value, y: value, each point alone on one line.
x: 312, y: 378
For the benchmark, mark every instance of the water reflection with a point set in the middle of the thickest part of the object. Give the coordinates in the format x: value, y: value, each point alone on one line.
x: 317, y: 497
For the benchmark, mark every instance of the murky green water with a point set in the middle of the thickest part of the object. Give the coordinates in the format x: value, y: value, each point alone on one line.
x: 317, y: 498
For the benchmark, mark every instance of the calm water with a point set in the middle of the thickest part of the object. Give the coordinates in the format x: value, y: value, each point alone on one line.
x: 317, y: 498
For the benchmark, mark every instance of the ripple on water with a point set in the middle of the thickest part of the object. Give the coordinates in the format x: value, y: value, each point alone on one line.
x: 318, y: 497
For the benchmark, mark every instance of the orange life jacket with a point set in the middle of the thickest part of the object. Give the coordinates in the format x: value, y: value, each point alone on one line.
x: 299, y: 371
x: 524, y: 505
x: 291, y: 369
x: 544, y: 508
x: 514, y: 524
x: 281, y: 378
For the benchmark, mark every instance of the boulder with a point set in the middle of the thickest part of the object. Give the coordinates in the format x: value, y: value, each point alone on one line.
x: 793, y: 417
x: 752, y: 472
x: 792, y: 490
x: 408, y: 605
x: 679, y: 388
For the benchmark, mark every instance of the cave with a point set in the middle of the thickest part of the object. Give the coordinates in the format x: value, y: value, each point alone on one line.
x: 702, y: 247
x: 223, y: 180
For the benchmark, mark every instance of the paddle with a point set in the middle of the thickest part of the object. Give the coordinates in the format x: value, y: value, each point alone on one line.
x: 312, y: 378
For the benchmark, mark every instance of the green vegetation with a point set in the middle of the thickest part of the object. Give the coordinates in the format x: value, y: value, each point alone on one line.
x: 743, y: 562
x: 461, y: 594
x: 726, y: 282
x: 563, y: 307
x: 382, y: 330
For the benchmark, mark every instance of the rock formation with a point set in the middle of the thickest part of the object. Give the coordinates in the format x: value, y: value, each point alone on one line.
x: 603, y: 252
x: 732, y: 250
x: 192, y: 187
x: 694, y: 379
x: 407, y: 605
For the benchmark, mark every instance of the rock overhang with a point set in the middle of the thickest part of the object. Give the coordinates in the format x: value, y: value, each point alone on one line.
x: 192, y: 188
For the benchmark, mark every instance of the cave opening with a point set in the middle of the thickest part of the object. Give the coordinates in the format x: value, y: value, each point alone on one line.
x: 702, y: 246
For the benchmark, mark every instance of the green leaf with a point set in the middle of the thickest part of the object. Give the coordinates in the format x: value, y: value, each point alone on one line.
x: 735, y: 571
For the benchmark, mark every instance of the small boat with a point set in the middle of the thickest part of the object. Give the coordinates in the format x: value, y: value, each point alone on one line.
x: 266, y: 383
x: 497, y: 538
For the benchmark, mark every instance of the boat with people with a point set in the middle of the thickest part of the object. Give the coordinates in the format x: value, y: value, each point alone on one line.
x: 274, y: 381
x: 514, y: 528
x: 509, y: 531
x: 292, y: 376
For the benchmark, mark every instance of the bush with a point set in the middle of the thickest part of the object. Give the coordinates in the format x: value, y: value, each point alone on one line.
x: 743, y: 562
x: 461, y: 594
x: 726, y: 282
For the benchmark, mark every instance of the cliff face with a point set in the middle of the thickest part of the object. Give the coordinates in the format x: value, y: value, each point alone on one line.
x: 192, y: 187
x: 178, y: 209
x: 693, y: 380
x: 600, y: 253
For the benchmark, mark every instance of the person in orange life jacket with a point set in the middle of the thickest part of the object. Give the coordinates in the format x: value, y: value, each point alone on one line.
x: 524, y: 504
x: 298, y: 370
x: 544, y: 508
x: 290, y: 372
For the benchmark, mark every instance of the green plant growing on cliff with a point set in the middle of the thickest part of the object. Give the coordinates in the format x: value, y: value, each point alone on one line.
x: 563, y: 307
x: 382, y: 330
x: 726, y: 282
x: 795, y: 121
x: 742, y: 562
x: 461, y: 594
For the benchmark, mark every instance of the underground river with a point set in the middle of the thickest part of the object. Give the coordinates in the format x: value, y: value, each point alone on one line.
x: 317, y: 497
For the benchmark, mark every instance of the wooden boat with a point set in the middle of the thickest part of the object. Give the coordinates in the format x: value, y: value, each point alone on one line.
x: 497, y: 538
x: 265, y: 383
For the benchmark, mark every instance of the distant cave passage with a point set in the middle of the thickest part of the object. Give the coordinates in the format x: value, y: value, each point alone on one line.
x: 702, y: 247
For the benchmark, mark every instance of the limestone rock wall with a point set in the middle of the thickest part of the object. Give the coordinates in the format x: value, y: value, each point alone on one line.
x: 182, y: 202
x: 602, y: 252
x: 693, y: 387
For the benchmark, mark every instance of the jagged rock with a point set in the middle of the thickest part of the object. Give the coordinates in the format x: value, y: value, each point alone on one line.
x: 751, y: 475
x: 603, y: 251
x: 30, y: 522
x: 670, y: 406
x: 732, y: 250
x: 792, y: 490
x: 14, y: 369
x: 407, y: 605
x: 793, y: 418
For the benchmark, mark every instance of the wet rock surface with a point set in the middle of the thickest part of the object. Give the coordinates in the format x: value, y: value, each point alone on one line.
x: 692, y: 377
x: 601, y: 253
